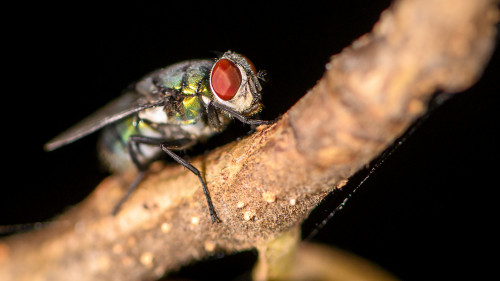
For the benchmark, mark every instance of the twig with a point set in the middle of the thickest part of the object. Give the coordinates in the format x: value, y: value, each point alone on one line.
x: 267, y: 183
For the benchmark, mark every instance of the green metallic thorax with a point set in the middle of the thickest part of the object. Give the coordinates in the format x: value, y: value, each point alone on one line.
x: 190, y: 84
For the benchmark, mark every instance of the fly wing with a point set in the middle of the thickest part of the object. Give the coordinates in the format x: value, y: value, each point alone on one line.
x: 115, y: 110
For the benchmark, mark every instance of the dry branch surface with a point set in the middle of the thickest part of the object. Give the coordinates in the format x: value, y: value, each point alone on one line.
x: 267, y: 183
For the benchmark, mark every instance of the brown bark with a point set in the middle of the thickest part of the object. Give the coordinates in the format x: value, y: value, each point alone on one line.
x: 266, y: 184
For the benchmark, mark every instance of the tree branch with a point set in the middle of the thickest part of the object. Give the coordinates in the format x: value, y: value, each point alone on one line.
x: 267, y: 183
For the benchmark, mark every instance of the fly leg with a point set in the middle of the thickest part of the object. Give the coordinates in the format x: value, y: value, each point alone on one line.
x: 237, y: 115
x: 131, y: 189
x: 141, y: 167
x: 168, y: 147
x: 195, y: 171
x: 213, y: 117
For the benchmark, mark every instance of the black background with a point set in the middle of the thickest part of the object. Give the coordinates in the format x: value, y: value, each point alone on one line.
x: 427, y: 213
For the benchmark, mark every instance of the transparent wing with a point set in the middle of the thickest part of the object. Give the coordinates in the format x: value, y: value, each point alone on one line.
x: 115, y: 110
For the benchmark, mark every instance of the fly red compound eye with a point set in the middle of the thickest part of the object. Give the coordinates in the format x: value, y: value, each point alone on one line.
x: 226, y: 79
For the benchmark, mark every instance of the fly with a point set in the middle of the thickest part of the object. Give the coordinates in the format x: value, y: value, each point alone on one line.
x: 172, y: 109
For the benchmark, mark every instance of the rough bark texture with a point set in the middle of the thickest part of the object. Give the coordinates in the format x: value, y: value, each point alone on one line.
x: 267, y: 183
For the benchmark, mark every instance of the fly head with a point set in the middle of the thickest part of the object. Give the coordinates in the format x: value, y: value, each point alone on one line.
x: 234, y: 81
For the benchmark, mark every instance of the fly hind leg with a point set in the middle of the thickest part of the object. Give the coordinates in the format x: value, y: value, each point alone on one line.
x: 168, y: 147
x: 195, y: 171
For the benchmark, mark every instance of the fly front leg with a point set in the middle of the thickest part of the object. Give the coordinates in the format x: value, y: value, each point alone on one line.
x: 239, y: 116
x: 213, y: 117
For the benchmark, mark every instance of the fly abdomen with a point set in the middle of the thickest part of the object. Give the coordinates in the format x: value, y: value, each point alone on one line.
x: 114, y: 143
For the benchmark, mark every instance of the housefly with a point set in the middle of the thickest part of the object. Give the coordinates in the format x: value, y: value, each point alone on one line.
x: 172, y: 109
